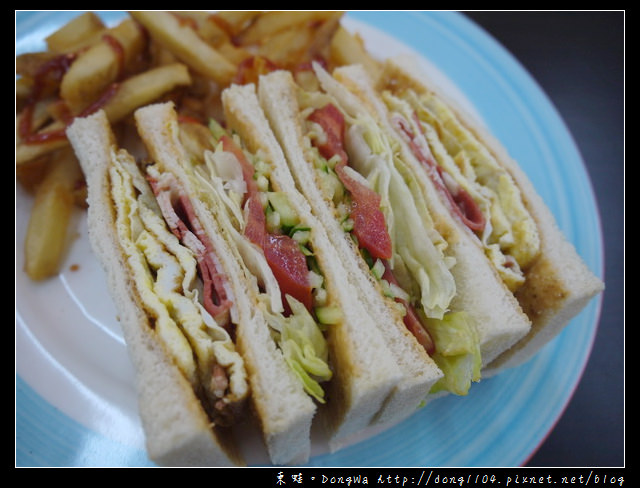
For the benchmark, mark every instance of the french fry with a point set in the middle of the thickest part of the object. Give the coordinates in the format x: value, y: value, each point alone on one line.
x: 27, y: 152
x: 186, y: 45
x: 132, y: 93
x: 271, y: 23
x: 145, y: 88
x: 202, y: 22
x: 101, y: 65
x: 30, y: 175
x: 322, y: 36
x: 76, y: 34
x: 346, y: 48
x: 235, y: 54
x: 24, y: 88
x: 40, y: 114
x: 234, y: 22
x: 287, y: 47
x: 47, y: 236
x: 28, y: 64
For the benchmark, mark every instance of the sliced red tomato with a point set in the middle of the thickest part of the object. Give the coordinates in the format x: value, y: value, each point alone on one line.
x: 369, y: 225
x: 256, y: 225
x: 289, y: 266
x: 332, y: 122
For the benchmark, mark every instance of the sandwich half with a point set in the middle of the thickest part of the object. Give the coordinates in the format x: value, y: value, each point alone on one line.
x: 191, y: 380
x: 465, y: 173
x: 279, y: 97
x: 491, y: 200
x: 409, y: 265
x: 324, y: 334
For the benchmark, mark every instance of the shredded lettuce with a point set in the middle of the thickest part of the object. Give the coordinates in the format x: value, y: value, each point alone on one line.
x: 419, y: 262
x: 510, y: 238
x: 457, y: 352
x: 418, y: 247
x: 304, y: 347
x: 299, y: 336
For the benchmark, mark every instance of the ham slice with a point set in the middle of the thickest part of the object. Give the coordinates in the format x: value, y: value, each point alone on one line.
x: 178, y: 212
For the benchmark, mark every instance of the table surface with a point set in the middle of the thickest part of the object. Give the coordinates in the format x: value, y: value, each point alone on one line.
x: 578, y: 60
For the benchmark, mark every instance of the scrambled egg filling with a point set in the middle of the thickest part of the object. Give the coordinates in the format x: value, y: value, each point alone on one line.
x: 167, y: 281
x: 217, y: 176
x: 510, y: 238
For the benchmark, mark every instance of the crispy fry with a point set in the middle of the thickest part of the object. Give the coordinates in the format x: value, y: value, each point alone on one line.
x: 207, y: 29
x: 101, y: 65
x: 234, y: 54
x: 145, y: 88
x: 186, y: 45
x: 27, y: 152
x: 28, y: 64
x: 324, y: 32
x: 47, y: 233
x: 40, y: 114
x: 271, y: 23
x: 78, y: 33
x: 30, y: 175
x: 347, y: 48
x: 234, y: 22
x: 286, y: 47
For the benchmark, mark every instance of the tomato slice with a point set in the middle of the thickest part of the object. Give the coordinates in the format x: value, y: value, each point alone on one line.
x: 289, y: 266
x: 369, y: 225
x: 283, y: 254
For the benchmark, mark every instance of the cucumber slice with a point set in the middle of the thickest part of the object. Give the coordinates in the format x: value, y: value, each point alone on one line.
x: 280, y: 204
x: 329, y: 314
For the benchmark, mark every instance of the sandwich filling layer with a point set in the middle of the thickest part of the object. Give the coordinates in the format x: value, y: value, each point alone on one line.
x: 272, y: 242
x: 172, y: 272
x: 354, y: 163
x: 481, y: 193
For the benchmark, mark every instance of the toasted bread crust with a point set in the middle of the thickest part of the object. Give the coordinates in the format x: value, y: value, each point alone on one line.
x: 364, y: 374
x: 557, y: 284
x: 278, y: 97
x: 177, y: 429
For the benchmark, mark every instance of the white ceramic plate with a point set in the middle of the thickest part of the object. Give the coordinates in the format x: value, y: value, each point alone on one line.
x: 75, y: 399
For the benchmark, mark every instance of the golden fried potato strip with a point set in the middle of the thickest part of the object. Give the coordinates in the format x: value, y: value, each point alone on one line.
x: 98, y: 67
x: 347, y: 48
x: 79, y: 33
x: 144, y: 88
x: 271, y: 23
x: 179, y: 38
x: 47, y: 238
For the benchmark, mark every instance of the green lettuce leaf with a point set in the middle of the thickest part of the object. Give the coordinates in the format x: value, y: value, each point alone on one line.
x: 457, y: 352
x: 304, y: 347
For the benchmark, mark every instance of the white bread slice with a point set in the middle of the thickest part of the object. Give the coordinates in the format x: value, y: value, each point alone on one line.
x: 559, y: 284
x: 278, y: 97
x: 284, y: 410
x: 479, y: 290
x: 364, y: 370
x: 177, y: 429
